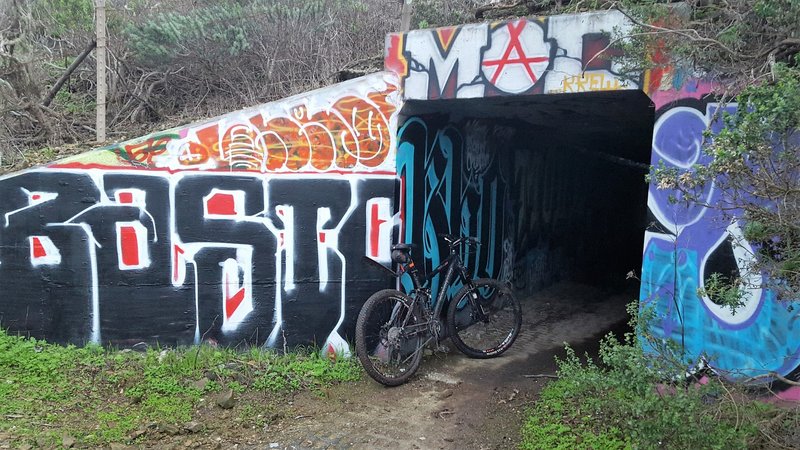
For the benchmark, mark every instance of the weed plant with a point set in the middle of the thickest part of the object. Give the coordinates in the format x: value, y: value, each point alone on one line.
x: 635, y: 399
x: 99, y: 396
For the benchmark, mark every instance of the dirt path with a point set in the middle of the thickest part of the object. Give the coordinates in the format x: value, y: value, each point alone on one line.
x: 453, y: 402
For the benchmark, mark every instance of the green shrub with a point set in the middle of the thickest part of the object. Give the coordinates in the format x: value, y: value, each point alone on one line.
x: 439, y: 13
x: 224, y: 28
x: 630, y: 398
x: 61, y: 17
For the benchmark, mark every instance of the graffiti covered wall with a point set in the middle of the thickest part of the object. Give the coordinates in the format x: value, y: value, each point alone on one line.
x: 458, y: 180
x: 251, y: 227
x: 453, y: 182
x: 572, y: 54
x: 544, y: 55
x: 687, y: 243
x: 247, y: 228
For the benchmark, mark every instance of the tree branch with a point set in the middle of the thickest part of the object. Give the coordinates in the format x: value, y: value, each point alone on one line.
x: 65, y: 76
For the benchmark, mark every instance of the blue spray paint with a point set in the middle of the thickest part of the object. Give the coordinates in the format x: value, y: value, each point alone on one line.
x: 761, y: 337
x: 445, y: 194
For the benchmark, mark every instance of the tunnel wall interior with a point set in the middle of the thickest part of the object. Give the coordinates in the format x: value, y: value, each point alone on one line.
x: 248, y: 228
x: 548, y: 201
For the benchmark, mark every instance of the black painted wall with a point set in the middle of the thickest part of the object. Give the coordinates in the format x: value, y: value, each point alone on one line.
x: 64, y: 280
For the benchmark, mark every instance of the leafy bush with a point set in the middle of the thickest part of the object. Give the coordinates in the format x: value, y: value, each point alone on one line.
x: 61, y: 18
x: 630, y: 399
x: 754, y: 162
x: 734, y: 43
x: 439, y: 13
x: 225, y: 28
x: 172, y: 34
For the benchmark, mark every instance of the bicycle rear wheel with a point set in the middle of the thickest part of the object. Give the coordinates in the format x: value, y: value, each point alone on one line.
x: 389, y: 337
x: 484, y: 321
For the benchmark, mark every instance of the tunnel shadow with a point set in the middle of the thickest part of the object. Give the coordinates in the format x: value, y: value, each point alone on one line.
x: 553, y: 185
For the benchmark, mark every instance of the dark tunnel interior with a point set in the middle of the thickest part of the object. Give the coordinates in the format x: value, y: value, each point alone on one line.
x: 555, y: 182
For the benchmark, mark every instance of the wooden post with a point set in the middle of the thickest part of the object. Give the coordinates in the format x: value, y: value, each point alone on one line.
x: 405, y: 16
x: 100, y: 30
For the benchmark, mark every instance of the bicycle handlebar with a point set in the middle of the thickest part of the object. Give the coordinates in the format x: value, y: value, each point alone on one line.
x: 453, y: 241
x: 401, y: 252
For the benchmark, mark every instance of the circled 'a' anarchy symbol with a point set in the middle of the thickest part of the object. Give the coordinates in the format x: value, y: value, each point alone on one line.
x: 517, y: 57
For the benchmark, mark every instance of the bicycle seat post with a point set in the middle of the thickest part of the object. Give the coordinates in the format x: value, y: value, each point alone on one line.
x: 401, y: 254
x: 413, y: 272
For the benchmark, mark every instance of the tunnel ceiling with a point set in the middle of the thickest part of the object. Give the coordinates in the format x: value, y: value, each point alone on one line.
x: 575, y: 121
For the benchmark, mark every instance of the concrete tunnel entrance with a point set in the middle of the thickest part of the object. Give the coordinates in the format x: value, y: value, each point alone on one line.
x: 553, y: 185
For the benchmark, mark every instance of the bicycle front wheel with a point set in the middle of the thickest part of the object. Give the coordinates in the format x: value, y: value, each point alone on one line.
x: 484, y: 320
x: 389, y: 337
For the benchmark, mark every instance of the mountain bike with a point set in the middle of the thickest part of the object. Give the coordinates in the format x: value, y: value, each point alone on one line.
x: 393, y: 328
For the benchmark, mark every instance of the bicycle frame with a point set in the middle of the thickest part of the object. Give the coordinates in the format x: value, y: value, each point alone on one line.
x: 453, y: 267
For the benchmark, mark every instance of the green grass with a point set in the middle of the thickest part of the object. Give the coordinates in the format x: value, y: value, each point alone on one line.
x: 99, y: 396
x: 558, y: 421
